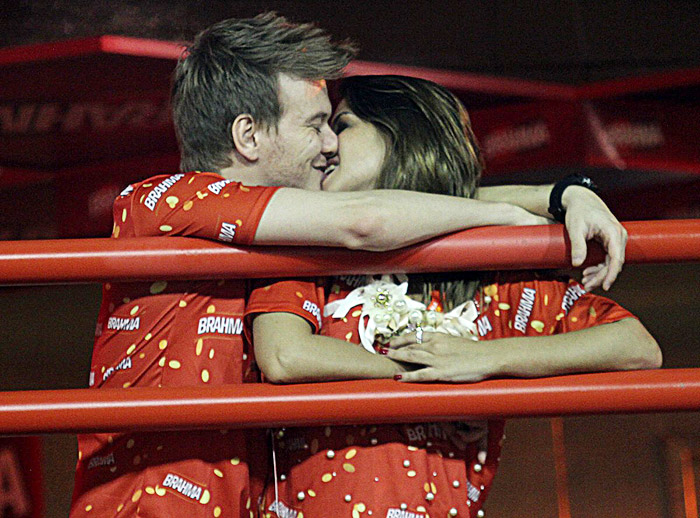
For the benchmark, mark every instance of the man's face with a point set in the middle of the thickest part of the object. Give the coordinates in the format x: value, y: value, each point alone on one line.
x: 298, y: 151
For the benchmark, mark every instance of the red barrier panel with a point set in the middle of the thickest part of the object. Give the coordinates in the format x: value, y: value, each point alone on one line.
x: 261, y: 405
x: 492, y: 248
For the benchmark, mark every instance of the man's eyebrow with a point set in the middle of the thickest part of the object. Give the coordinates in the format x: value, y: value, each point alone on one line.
x: 321, y: 116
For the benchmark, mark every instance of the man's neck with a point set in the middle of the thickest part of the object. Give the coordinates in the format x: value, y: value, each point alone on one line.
x: 246, y: 175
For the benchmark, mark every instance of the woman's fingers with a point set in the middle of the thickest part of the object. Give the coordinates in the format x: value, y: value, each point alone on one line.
x: 409, y: 339
x: 412, y: 353
x: 427, y: 374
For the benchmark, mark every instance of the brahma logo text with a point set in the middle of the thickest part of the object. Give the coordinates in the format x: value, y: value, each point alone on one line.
x: 183, y: 486
x: 220, y: 325
x: 159, y: 190
x: 527, y: 302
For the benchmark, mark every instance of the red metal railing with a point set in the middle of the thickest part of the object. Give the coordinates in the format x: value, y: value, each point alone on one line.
x: 383, y: 401
x: 252, y: 405
x: 492, y: 248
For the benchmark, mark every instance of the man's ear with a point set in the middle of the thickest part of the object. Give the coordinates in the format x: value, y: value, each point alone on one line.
x: 244, y: 132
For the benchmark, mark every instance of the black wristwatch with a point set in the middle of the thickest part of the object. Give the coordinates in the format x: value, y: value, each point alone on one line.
x: 555, y: 207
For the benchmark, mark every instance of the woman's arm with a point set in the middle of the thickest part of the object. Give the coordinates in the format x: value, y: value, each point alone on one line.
x: 287, y: 351
x: 622, y: 345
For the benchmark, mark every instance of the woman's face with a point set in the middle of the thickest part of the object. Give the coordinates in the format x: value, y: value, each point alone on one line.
x: 361, y: 151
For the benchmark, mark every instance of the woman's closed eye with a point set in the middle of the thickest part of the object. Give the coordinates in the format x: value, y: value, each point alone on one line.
x: 341, y: 122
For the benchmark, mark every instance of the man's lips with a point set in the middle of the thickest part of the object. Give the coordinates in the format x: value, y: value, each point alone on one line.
x: 327, y: 171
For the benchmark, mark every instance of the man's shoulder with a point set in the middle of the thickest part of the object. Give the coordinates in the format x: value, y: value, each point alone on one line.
x: 171, y: 178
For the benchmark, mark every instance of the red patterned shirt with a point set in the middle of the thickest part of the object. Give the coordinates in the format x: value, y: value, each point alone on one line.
x: 164, y: 333
x: 413, y: 468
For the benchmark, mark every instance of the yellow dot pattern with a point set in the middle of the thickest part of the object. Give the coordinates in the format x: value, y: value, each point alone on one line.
x: 327, y: 477
x: 205, y: 375
x: 165, y: 228
x: 162, y: 344
x: 206, y: 496
x: 158, y: 287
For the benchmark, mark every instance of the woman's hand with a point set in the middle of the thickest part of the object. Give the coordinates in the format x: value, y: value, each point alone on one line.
x: 445, y: 358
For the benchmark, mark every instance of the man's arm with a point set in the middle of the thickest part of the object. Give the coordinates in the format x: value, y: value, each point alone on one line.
x: 376, y: 220
x: 622, y: 345
x: 287, y: 351
x: 587, y: 217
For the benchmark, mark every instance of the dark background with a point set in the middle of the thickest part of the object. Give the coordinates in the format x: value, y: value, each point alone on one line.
x: 571, y: 41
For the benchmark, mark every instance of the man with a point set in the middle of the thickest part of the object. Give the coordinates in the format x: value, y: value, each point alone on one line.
x: 250, y: 106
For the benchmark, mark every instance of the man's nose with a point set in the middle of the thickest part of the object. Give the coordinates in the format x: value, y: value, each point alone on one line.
x: 329, y: 142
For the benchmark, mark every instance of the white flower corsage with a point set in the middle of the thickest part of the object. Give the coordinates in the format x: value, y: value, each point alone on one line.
x: 387, y: 312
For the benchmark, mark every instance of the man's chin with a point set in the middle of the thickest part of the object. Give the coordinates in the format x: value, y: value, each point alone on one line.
x: 313, y: 182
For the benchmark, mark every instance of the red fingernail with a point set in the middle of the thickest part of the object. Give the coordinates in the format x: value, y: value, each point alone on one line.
x: 397, y: 377
x: 383, y: 350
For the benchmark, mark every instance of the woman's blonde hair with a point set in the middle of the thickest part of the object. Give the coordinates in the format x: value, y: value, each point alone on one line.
x: 431, y: 148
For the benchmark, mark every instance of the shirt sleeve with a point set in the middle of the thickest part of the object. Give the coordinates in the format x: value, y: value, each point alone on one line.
x: 534, y: 306
x: 302, y: 298
x: 191, y: 204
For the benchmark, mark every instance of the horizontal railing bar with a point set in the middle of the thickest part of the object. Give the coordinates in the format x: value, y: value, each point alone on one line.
x: 491, y: 248
x: 369, y: 401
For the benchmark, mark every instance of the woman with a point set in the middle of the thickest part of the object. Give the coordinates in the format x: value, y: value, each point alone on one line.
x: 405, y: 133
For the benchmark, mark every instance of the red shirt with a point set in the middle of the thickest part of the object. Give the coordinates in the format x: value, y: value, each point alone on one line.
x: 165, y: 333
x: 394, y: 467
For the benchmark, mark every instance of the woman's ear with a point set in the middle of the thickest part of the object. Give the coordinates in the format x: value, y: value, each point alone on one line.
x: 245, y: 139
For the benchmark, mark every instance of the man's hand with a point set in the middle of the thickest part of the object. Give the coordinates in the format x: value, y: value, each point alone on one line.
x: 587, y: 217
